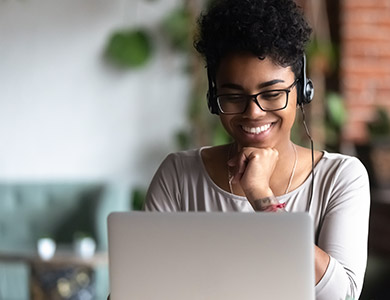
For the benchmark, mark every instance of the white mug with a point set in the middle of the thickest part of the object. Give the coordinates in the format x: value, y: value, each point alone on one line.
x: 46, y: 248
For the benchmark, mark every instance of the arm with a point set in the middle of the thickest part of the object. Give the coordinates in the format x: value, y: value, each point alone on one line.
x: 254, y: 170
x: 344, y: 230
x: 164, y: 191
x: 340, y: 253
x: 321, y: 263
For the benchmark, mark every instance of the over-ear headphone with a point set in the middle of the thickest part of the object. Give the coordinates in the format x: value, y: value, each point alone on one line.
x: 305, y: 89
x: 212, y: 93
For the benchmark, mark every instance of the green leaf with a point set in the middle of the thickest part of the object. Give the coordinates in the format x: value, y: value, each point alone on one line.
x: 129, y: 49
x: 183, y: 139
x: 380, y: 127
x: 336, y: 110
x: 177, y: 28
x: 138, y: 198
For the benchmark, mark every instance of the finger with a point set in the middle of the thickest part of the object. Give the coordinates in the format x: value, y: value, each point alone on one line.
x: 232, y: 162
x: 237, y: 177
x: 240, y: 167
x: 242, y: 162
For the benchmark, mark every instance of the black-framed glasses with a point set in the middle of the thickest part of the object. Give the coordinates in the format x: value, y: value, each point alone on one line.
x: 270, y: 100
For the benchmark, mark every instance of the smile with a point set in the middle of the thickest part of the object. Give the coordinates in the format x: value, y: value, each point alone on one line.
x: 256, y: 130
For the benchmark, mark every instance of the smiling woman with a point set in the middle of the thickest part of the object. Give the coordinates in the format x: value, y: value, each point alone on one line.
x: 254, y: 52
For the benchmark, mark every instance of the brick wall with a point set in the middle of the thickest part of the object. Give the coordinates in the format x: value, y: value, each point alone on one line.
x: 365, y: 62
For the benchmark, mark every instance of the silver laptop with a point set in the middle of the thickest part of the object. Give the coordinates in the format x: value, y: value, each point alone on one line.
x: 211, y: 256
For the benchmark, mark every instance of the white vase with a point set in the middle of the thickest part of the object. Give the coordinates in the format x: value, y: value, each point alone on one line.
x: 46, y: 248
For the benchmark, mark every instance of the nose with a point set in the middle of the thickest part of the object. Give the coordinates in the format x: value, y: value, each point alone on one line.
x: 253, y: 110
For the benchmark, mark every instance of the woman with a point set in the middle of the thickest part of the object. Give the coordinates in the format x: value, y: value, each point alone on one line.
x: 254, y: 51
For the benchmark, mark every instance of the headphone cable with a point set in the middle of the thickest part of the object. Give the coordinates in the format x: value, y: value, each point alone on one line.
x: 312, y: 157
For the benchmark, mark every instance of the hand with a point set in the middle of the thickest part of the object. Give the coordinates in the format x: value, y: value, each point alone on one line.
x: 252, y: 169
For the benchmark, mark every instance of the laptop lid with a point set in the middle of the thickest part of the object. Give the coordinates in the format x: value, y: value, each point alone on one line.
x: 216, y: 256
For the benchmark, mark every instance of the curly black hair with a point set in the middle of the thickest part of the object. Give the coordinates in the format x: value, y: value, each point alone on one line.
x: 266, y: 28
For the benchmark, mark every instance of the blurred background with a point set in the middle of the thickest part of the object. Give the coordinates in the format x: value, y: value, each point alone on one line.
x: 94, y: 94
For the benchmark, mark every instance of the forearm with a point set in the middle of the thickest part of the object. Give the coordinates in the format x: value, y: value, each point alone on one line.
x: 321, y: 262
x: 321, y: 257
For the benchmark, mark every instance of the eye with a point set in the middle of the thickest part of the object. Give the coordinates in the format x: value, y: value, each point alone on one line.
x: 271, y: 95
x: 232, y: 98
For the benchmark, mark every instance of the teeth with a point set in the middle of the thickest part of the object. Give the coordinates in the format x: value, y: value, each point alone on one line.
x: 256, y: 130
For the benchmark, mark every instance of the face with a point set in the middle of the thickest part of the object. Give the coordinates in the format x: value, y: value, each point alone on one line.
x: 244, y: 73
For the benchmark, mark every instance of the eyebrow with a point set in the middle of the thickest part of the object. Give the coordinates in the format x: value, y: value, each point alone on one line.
x: 260, y: 86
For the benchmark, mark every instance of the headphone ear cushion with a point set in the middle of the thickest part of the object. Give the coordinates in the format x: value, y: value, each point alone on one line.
x: 212, y: 102
x: 212, y: 94
x: 309, y: 91
x: 305, y: 86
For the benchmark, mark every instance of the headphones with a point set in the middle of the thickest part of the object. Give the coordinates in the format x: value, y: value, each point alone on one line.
x: 305, y: 86
x: 305, y: 89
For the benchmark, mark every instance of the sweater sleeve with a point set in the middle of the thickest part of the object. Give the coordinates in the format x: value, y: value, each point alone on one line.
x: 344, y: 232
x: 164, y: 191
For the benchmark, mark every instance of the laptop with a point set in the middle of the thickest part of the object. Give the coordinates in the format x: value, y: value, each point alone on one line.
x: 211, y: 256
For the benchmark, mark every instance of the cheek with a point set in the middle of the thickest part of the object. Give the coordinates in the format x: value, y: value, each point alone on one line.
x: 291, y: 110
x: 290, y: 118
x: 225, y: 121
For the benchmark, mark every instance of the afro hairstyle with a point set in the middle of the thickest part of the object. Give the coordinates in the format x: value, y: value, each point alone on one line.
x: 267, y: 28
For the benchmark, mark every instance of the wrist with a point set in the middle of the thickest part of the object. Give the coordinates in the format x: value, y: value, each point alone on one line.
x: 259, y: 194
x: 268, y: 204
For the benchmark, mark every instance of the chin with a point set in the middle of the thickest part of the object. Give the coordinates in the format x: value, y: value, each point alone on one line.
x: 262, y: 140
x: 255, y: 144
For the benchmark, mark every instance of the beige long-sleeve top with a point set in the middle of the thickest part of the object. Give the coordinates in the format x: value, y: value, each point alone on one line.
x: 339, y: 207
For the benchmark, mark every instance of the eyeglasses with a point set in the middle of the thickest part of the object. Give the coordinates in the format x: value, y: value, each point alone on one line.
x: 271, y: 100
